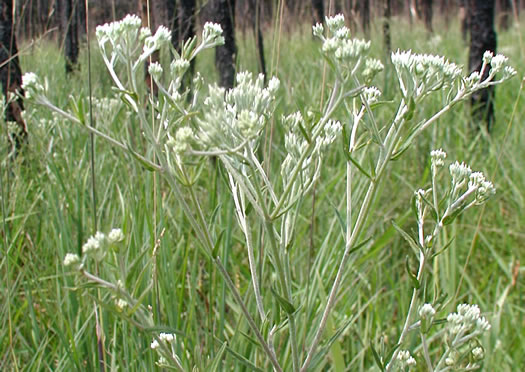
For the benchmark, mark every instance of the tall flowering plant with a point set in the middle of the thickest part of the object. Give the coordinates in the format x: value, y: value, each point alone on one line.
x: 180, y: 129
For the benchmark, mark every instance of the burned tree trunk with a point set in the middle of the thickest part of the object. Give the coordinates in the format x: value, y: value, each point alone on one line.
x: 69, y: 26
x: 365, y: 17
x: 318, y: 11
x: 183, y: 27
x: 387, y: 13
x: 482, y: 38
x: 222, y: 12
x: 427, y: 14
x: 505, y: 7
x: 255, y: 10
x: 464, y: 18
x: 11, y: 74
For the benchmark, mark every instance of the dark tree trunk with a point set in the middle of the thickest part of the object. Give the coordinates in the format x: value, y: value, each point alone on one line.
x: 10, y: 72
x: 387, y: 13
x: 222, y: 12
x: 255, y: 10
x: 426, y: 6
x: 464, y: 18
x: 69, y: 27
x: 483, y: 37
x: 172, y: 12
x: 446, y: 7
x: 318, y: 11
x: 505, y: 17
x: 183, y: 23
x: 335, y: 7
x: 365, y: 17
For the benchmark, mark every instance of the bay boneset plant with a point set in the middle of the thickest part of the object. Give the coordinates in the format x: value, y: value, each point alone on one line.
x: 180, y: 129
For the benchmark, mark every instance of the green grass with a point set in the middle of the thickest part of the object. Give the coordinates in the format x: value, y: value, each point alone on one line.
x: 47, y: 319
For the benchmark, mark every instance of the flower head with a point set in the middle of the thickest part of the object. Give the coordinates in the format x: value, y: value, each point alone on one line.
x: 95, y: 246
x: 212, y: 34
x: 318, y: 30
x: 155, y: 70
x: 167, y: 337
x: 31, y: 85
x: 427, y: 311
x: 336, y: 22
x: 179, y: 66
x: 371, y: 95
x: 405, y: 359
x: 71, y: 259
x: 438, y: 158
x: 467, y: 319
x: 498, y: 62
x: 115, y: 236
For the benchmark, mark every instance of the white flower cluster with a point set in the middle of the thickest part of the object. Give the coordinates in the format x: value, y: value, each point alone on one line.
x: 420, y: 74
x: 467, y: 319
x: 438, y: 158
x: 115, y: 236
x: 404, y: 359
x: 347, y: 53
x: 212, y: 34
x: 179, y: 66
x: 237, y: 116
x: 296, y: 146
x: 71, y: 259
x: 476, y: 183
x: 161, y: 38
x: 427, y: 311
x: 163, y: 337
x: 155, y: 70
x: 95, y: 246
x: 167, y: 340
x: 127, y: 38
x: 116, y: 32
x: 372, y: 68
x: 371, y: 95
x: 182, y: 141
x: 32, y: 85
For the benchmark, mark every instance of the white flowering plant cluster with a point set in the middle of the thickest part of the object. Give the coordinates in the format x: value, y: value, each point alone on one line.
x: 434, y: 208
x: 180, y: 130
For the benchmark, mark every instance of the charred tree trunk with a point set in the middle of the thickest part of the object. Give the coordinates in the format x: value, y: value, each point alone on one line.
x: 387, y: 14
x: 426, y: 6
x: 482, y: 38
x: 318, y: 10
x: 223, y: 13
x: 183, y: 23
x: 11, y: 74
x: 365, y: 17
x: 505, y: 7
x: 255, y: 10
x: 464, y: 18
x: 446, y: 7
x: 69, y: 27
x: 183, y: 28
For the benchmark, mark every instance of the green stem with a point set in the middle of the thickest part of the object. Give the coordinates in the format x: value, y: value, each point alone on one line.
x: 285, y: 289
x: 247, y: 315
x: 364, y: 212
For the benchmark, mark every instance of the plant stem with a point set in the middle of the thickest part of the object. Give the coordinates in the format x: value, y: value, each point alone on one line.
x: 425, y: 352
x: 285, y: 289
x: 356, y: 231
x: 247, y: 315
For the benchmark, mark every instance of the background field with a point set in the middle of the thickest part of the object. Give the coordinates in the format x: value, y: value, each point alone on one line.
x: 47, y: 322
